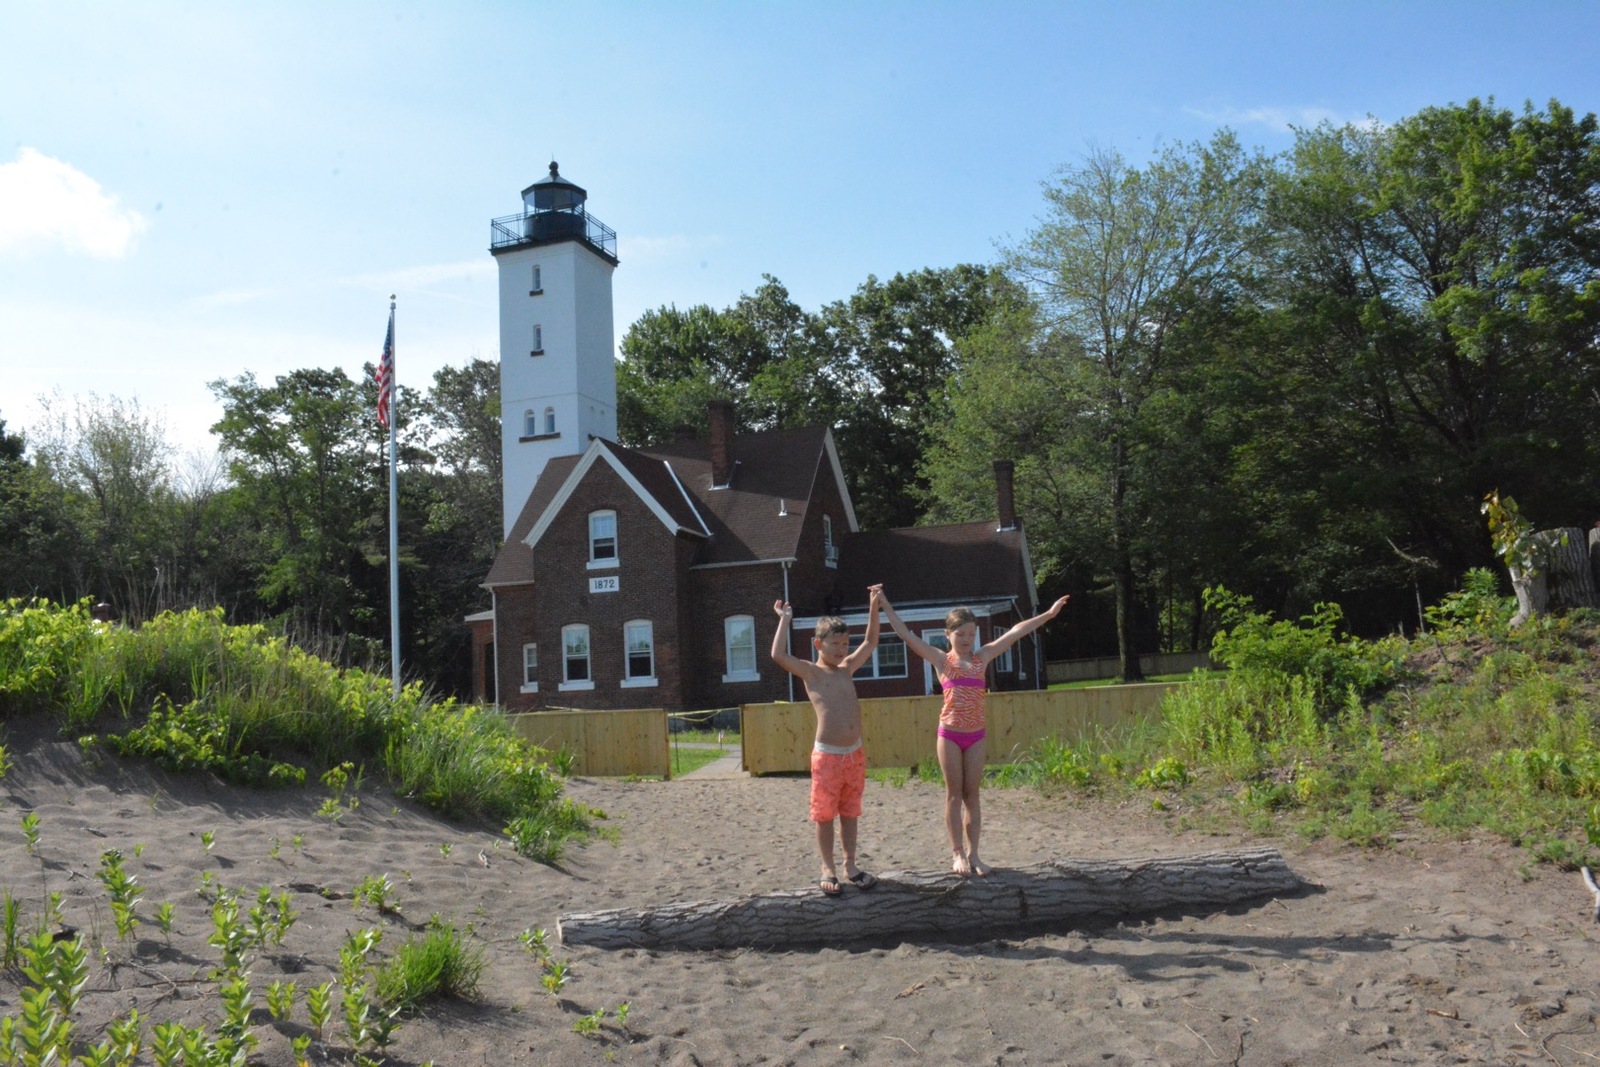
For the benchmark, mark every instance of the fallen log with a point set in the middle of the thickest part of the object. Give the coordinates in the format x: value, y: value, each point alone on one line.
x: 908, y: 903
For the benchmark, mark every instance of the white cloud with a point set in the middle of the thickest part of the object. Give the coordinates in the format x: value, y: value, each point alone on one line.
x: 673, y: 246
x: 44, y: 202
x: 1280, y: 119
x: 423, y: 275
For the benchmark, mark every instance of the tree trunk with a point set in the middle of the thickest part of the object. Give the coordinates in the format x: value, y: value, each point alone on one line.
x: 1562, y: 576
x: 906, y: 903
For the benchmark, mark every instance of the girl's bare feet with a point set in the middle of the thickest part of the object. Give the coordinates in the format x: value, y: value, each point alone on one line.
x: 978, y: 867
x: 959, y: 864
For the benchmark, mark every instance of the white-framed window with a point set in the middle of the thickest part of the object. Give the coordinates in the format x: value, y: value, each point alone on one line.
x: 830, y: 551
x: 549, y: 420
x: 739, y: 642
x: 530, y: 423
x: 602, y: 539
x: 575, y: 657
x: 538, y: 340
x: 1002, y: 662
x: 530, y: 668
x: 639, y: 651
x: 888, y: 659
x: 538, y: 281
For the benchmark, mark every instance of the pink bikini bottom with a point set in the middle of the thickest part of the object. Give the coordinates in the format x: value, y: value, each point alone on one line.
x: 962, y: 739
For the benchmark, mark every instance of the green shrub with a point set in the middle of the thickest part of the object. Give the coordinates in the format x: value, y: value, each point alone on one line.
x: 440, y: 963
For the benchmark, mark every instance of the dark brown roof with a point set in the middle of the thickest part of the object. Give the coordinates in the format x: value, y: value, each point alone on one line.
x: 756, y: 517
x: 774, y: 473
x: 953, y: 564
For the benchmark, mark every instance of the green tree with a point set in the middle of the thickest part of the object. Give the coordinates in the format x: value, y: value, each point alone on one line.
x: 450, y: 519
x: 1076, y: 387
x: 39, y: 538
x: 1438, y: 282
x: 305, y: 455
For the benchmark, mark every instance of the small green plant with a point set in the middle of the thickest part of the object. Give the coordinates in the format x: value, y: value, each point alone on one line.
x: 10, y: 918
x: 622, y: 1015
x: 30, y: 830
x: 164, y: 915
x: 555, y: 976
x: 280, y: 999
x: 589, y: 1025
x: 124, y: 890
x: 444, y: 849
x: 1164, y: 773
x: 319, y: 1008
x: 536, y: 942
x: 208, y: 838
x: 377, y: 890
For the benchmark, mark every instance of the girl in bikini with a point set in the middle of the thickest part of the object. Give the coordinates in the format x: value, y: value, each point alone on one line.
x: 964, y: 718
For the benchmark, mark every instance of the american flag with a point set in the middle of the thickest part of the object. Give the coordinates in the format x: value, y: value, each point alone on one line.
x: 385, y: 374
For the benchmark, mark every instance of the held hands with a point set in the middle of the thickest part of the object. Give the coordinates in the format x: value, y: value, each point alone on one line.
x: 1055, y: 609
x: 782, y: 609
x: 875, y: 599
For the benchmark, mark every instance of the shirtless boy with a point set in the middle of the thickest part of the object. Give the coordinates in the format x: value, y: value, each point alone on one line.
x: 838, y: 764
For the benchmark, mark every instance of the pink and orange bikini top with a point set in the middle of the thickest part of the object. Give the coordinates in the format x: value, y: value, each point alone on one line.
x: 964, y: 689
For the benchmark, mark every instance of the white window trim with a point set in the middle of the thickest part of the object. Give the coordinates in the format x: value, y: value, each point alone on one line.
x: 527, y: 686
x: 616, y: 557
x: 754, y: 673
x: 905, y: 662
x: 569, y: 684
x: 1003, y: 662
x: 643, y: 681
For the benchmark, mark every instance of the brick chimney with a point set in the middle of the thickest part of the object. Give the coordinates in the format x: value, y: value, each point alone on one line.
x: 721, y: 413
x: 1003, y: 470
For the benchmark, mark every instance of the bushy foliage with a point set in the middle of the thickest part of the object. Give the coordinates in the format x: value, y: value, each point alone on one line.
x: 1253, y: 643
x: 195, y: 693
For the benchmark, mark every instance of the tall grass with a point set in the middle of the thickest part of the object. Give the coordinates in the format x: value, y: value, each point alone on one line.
x: 195, y: 693
x: 1469, y: 727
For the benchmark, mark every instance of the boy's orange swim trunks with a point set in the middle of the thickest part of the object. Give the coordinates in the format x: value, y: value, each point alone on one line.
x: 836, y: 784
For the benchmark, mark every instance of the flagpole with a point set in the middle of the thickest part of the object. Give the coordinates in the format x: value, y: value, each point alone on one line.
x: 394, y: 520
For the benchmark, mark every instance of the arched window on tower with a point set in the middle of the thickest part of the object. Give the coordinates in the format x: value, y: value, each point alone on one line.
x: 530, y: 423
x: 549, y: 420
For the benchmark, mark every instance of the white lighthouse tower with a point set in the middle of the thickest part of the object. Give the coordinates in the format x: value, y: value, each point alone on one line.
x: 558, y: 379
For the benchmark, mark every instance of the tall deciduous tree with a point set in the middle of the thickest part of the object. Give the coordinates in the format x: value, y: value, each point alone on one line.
x: 304, y: 455
x: 1120, y: 260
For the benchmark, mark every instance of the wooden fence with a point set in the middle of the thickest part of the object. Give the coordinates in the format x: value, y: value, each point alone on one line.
x: 899, y: 731
x: 603, y: 743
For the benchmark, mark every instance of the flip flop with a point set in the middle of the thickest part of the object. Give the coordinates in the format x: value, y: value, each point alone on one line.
x: 863, y: 881
x: 831, y: 887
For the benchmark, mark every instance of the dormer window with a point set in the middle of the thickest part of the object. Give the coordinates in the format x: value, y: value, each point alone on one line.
x: 602, y: 539
x: 830, y: 551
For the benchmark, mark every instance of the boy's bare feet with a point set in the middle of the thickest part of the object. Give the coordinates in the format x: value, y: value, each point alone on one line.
x: 959, y: 864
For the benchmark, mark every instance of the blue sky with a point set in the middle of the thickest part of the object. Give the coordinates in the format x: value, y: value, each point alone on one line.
x: 191, y: 191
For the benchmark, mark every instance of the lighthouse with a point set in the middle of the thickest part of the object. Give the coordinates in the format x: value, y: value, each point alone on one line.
x: 558, y: 379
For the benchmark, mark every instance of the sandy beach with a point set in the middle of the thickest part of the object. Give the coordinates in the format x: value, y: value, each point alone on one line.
x: 1430, y: 951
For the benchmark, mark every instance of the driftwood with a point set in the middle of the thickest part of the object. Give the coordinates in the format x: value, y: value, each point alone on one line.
x: 918, y: 903
x: 1562, y: 575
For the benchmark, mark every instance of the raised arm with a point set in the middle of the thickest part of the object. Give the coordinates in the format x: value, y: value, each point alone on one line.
x: 994, y: 648
x: 916, y: 644
x: 863, y: 652
x: 780, y: 642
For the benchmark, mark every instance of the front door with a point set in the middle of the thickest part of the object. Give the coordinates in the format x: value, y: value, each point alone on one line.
x: 930, y: 677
